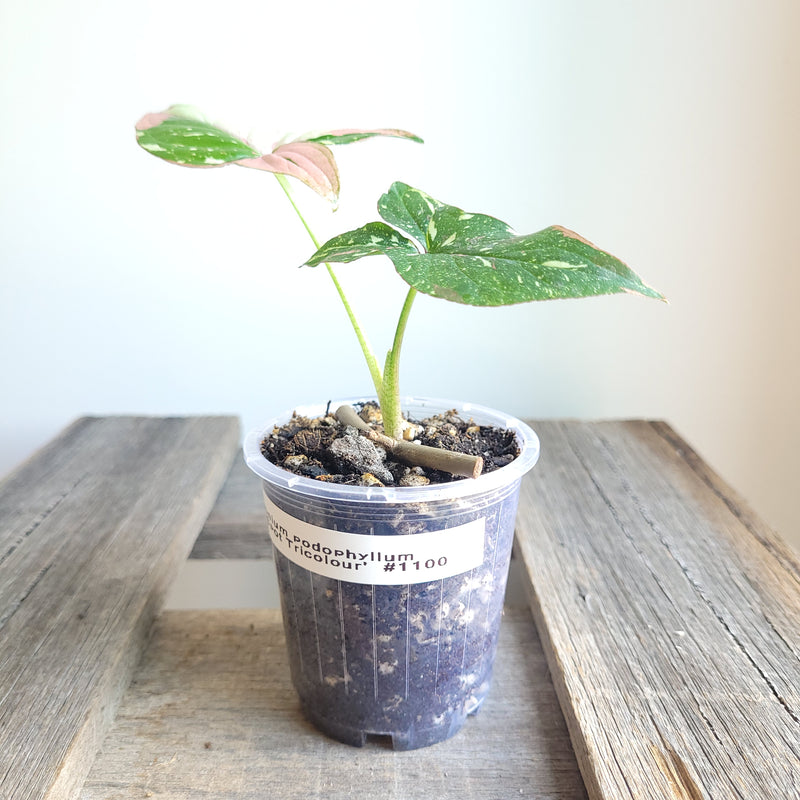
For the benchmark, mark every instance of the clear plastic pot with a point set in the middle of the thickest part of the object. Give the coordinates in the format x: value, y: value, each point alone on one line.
x: 392, y: 596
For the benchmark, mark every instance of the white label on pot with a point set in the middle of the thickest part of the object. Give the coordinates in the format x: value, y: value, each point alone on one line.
x: 381, y: 560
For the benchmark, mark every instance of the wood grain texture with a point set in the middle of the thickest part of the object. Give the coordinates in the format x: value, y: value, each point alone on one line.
x: 212, y: 713
x: 670, y: 616
x: 237, y: 525
x: 92, y: 530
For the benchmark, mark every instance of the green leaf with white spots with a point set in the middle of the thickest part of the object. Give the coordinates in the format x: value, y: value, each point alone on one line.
x: 375, y: 238
x: 189, y: 141
x: 453, y: 231
x: 410, y: 210
x: 356, y: 135
x: 479, y: 260
x: 547, y: 265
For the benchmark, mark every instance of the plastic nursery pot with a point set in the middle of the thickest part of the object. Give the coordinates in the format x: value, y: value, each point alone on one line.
x: 392, y: 597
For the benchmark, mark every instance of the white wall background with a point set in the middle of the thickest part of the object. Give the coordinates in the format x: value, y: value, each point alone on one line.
x: 665, y: 132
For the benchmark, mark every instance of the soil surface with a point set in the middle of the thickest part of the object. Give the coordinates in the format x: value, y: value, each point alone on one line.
x: 324, y: 449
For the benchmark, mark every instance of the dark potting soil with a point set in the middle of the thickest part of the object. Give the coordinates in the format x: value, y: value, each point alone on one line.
x: 408, y: 661
x: 327, y: 450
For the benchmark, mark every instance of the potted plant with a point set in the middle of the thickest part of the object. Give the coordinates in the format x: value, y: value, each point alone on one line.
x: 392, y: 592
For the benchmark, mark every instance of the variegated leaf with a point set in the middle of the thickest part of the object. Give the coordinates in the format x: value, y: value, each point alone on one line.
x: 189, y: 141
x: 375, y: 238
x: 479, y: 260
x: 182, y: 136
x: 410, y: 210
x: 309, y: 162
x: 350, y: 135
x: 542, y: 266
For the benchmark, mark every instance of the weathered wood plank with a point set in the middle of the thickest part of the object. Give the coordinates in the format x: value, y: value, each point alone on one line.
x: 237, y: 525
x: 92, y: 530
x: 212, y: 713
x: 669, y: 613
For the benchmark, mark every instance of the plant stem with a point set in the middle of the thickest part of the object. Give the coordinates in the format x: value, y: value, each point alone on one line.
x: 372, y: 361
x: 390, y: 396
x: 288, y: 192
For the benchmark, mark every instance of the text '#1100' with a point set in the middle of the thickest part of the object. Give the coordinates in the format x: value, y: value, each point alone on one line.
x: 382, y: 560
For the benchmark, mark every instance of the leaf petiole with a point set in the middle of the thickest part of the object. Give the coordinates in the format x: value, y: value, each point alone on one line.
x: 369, y: 355
x: 390, y: 397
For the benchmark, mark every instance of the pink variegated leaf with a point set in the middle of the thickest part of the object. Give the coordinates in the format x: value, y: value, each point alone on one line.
x: 152, y: 120
x: 309, y: 162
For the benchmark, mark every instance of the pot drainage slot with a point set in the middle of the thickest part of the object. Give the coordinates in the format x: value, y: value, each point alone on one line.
x: 383, y: 741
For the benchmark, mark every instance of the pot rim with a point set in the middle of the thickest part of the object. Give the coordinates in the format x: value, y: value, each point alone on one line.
x: 483, y: 415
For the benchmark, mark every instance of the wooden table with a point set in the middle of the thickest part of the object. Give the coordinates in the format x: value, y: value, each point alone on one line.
x: 661, y: 658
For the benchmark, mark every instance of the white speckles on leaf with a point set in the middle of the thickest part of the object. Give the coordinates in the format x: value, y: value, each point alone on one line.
x: 563, y: 265
x: 478, y: 260
x: 446, y: 293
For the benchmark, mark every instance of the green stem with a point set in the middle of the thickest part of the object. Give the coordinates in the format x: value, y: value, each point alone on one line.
x: 372, y: 361
x: 390, y: 396
x: 288, y: 192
